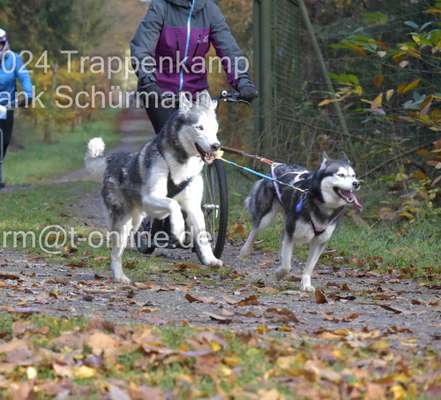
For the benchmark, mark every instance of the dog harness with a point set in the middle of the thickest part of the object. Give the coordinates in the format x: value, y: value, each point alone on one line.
x: 298, y: 176
x: 173, y: 190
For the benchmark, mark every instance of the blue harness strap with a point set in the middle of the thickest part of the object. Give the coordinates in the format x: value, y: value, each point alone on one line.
x: 300, y: 204
x: 271, y: 178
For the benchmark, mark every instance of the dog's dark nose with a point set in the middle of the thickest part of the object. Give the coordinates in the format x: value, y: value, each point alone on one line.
x: 216, y: 146
x: 356, y: 184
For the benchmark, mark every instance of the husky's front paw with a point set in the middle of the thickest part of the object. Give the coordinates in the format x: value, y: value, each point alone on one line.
x: 178, y: 233
x: 122, y: 279
x: 281, y: 272
x: 306, y: 284
x: 215, y: 263
x: 212, y: 262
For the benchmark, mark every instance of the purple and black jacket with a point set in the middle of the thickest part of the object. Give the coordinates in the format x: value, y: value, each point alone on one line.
x: 187, y: 28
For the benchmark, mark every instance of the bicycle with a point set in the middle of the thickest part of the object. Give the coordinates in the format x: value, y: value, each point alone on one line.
x: 215, y: 202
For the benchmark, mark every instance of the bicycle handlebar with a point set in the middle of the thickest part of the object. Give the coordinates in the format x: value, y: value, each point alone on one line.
x: 230, y: 97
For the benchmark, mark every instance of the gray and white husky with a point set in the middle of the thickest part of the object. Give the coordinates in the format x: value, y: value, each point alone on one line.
x: 137, y: 185
x: 310, y: 214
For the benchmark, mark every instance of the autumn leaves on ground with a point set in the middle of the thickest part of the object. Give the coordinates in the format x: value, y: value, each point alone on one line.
x: 44, y: 357
x: 185, y: 331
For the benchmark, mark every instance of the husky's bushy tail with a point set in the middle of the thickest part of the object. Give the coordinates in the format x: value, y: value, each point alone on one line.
x: 248, y: 203
x: 260, y: 200
x: 95, y: 160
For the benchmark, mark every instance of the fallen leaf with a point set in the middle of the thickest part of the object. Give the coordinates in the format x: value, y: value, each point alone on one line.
x: 21, y: 391
x: 249, y: 301
x: 115, y: 393
x: 389, y: 308
x: 145, y: 392
x: 219, y: 318
x: 17, y: 352
x: 63, y: 371
x: 378, y: 80
x: 375, y: 392
x: 193, y: 299
x: 320, y: 297
x: 9, y: 276
x: 101, y: 343
x: 380, y: 346
x: 407, y: 87
x: 351, y: 317
x: 84, y: 372
x: 281, y: 315
x: 264, y: 394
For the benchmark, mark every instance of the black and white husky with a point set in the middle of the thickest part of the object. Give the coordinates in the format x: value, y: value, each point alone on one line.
x: 311, y: 212
x: 137, y: 185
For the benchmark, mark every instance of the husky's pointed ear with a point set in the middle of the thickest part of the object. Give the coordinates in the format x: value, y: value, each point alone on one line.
x: 185, y: 104
x: 345, y: 158
x: 325, y: 159
x: 204, y: 99
x: 214, y: 104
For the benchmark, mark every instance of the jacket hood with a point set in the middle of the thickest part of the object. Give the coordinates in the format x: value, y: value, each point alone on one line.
x: 200, y: 4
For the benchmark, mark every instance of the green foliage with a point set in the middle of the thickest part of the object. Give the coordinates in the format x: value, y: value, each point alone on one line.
x: 375, y: 18
x: 65, y: 154
x: 398, y: 79
x: 46, y: 28
x: 39, y: 25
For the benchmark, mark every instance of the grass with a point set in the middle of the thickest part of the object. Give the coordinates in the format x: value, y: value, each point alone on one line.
x: 39, y: 162
x: 28, y: 212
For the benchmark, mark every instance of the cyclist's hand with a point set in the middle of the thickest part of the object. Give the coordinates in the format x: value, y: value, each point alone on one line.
x: 247, y: 91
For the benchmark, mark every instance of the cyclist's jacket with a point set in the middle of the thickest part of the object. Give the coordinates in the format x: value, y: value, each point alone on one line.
x: 174, y: 31
x: 11, y: 69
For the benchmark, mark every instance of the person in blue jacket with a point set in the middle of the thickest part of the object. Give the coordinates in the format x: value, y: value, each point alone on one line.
x: 11, y: 70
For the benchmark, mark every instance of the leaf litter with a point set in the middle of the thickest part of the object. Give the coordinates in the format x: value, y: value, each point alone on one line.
x: 246, y: 336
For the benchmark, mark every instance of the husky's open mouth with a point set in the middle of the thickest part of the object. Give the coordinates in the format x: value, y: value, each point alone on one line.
x: 207, y: 157
x: 349, y: 197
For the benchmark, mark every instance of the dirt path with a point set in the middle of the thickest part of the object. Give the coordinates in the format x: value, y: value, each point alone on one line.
x: 242, y: 296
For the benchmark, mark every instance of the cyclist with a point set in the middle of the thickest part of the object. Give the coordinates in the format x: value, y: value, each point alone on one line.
x: 181, y: 32
x: 11, y: 69
x: 177, y: 32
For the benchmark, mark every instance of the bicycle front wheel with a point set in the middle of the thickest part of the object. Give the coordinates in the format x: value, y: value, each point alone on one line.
x: 215, y: 205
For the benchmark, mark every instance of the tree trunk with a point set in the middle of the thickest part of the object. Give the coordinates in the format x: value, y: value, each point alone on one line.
x: 48, y: 126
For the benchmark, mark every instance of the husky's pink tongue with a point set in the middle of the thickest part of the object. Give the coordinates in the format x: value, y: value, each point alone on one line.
x: 356, y: 201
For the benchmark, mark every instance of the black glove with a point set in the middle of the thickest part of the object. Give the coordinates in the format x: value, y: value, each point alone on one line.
x: 247, y: 91
x: 149, y: 88
x: 24, y: 103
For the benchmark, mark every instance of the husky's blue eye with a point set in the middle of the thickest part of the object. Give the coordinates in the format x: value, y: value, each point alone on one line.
x: 341, y: 175
x: 200, y: 128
